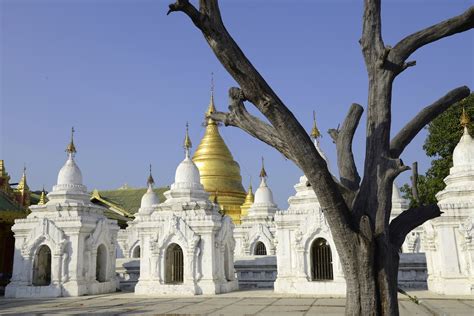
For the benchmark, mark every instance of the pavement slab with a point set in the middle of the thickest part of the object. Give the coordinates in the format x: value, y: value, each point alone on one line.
x: 239, y: 303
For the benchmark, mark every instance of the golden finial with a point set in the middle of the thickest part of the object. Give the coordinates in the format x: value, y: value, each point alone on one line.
x: 71, y: 149
x: 150, y: 180
x: 22, y: 186
x: 250, y: 185
x: 42, y: 200
x: 465, y: 119
x: 315, y: 131
x: 211, y: 108
x: 263, y: 173
x: 187, y: 140
x: 3, y: 172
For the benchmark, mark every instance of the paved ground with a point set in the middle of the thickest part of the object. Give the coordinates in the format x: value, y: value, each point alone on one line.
x: 237, y: 303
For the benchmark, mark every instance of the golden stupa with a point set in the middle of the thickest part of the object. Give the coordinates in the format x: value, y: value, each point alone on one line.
x: 219, y: 171
x: 249, y: 199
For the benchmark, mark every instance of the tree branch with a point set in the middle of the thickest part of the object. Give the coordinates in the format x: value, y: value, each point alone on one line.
x: 425, y: 116
x: 240, y: 117
x: 409, y: 220
x: 449, y: 27
x: 186, y: 7
x: 371, y: 41
x: 343, y: 138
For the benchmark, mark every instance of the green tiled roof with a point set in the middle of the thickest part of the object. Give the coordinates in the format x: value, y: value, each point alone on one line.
x: 128, y: 199
x: 7, y: 205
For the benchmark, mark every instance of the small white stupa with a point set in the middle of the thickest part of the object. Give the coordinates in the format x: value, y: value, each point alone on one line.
x: 187, y: 246
x: 65, y: 247
x: 448, y: 239
x: 256, y: 234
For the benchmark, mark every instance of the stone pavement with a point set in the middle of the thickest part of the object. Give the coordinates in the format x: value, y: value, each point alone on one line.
x: 237, y: 303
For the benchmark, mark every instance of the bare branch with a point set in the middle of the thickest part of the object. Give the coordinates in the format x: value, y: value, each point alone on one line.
x: 429, y: 113
x: 371, y: 41
x: 240, y: 117
x: 409, y: 220
x: 343, y: 137
x: 186, y: 7
x: 449, y: 27
x: 414, y: 182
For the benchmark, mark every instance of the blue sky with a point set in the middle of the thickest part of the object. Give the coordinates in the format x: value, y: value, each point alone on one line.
x: 128, y: 77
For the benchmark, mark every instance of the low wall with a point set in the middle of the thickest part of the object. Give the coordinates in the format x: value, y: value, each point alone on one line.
x: 256, y: 271
x: 412, y: 271
x: 261, y: 271
x: 128, y: 272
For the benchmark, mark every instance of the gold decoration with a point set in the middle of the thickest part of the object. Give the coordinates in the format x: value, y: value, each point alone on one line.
x: 187, y: 140
x: 249, y: 199
x: 218, y: 169
x: 22, y: 185
x: 42, y: 200
x: 465, y: 119
x: 71, y: 149
x: 315, y: 131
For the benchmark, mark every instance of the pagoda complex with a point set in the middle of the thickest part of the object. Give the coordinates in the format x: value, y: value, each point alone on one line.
x: 220, y: 173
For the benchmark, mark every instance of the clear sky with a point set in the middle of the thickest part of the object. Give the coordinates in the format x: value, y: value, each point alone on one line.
x: 128, y: 77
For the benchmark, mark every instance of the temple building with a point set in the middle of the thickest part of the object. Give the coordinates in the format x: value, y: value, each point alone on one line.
x: 256, y: 233
x: 448, y: 239
x: 66, y: 246
x: 307, y: 260
x: 220, y: 173
x: 14, y: 202
x: 186, y: 244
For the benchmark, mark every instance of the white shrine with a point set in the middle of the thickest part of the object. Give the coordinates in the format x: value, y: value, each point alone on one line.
x: 448, y: 239
x: 186, y: 245
x: 256, y: 233
x: 65, y: 247
x: 307, y: 260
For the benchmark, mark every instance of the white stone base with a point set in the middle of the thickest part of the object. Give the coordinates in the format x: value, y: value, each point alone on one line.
x: 451, y: 286
x: 303, y: 286
x: 203, y: 287
x: 68, y: 289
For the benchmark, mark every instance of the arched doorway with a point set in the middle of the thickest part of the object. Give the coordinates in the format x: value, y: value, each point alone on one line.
x: 101, y: 264
x: 136, y: 252
x: 42, y: 267
x: 321, y: 260
x: 260, y: 249
x: 174, y: 264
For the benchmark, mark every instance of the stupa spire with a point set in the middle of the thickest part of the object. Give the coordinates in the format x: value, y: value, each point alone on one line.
x: 150, y: 181
x: 263, y: 173
x: 187, y: 141
x: 71, y: 148
x: 211, y: 108
x: 465, y: 120
x: 22, y: 186
x: 42, y: 200
x: 315, y: 133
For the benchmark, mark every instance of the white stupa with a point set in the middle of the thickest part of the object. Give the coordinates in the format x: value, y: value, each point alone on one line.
x: 187, y: 246
x: 67, y: 245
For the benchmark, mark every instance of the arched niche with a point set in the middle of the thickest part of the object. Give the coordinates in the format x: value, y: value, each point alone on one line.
x: 174, y: 264
x: 42, y: 267
x: 321, y: 260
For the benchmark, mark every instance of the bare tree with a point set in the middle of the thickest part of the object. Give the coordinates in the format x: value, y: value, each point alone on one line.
x: 357, y: 211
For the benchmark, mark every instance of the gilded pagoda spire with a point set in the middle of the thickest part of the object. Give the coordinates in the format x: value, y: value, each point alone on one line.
x: 217, y: 167
x: 249, y: 199
x: 315, y: 133
x: 187, y: 141
x: 3, y: 172
x: 22, y: 185
x: 71, y: 148
x: 42, y: 200
x: 465, y: 120
x: 211, y: 108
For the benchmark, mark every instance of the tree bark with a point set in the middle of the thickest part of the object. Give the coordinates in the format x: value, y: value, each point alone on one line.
x: 366, y: 243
